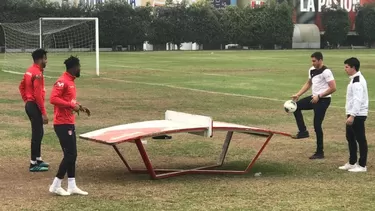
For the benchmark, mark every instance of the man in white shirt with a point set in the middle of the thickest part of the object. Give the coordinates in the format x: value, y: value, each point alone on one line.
x: 356, y: 110
x: 323, y: 84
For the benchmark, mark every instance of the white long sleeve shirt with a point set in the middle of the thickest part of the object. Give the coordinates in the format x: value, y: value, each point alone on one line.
x: 357, y: 96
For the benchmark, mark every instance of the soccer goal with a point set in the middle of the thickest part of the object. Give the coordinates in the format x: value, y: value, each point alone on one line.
x: 61, y: 37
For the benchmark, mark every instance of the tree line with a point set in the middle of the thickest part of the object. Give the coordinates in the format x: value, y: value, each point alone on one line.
x: 336, y: 23
x: 121, y: 24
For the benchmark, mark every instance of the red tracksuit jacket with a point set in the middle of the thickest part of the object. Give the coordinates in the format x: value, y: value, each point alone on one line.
x: 32, y: 87
x: 63, y: 97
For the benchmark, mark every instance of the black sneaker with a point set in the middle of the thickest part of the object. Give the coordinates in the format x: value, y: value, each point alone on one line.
x: 37, y: 168
x: 162, y: 137
x: 317, y: 156
x: 42, y: 163
x: 300, y: 135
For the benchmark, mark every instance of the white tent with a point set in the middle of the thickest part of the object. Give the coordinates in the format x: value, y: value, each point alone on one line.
x: 306, y: 36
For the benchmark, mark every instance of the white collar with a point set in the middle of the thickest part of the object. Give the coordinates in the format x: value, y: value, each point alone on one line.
x: 356, y: 74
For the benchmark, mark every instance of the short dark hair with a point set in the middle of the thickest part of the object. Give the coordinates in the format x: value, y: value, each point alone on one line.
x: 353, y: 62
x: 71, y: 62
x: 38, y: 54
x: 317, y: 55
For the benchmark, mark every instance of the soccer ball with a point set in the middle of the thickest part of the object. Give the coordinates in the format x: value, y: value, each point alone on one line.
x: 290, y: 106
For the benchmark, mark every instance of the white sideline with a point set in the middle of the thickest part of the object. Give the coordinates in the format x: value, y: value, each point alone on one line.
x: 185, y: 88
x: 191, y: 89
x: 19, y: 73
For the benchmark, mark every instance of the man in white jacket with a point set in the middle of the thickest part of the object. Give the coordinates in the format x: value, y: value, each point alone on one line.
x: 356, y: 110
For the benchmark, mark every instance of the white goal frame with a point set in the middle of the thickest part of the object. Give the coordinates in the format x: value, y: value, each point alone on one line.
x: 68, y: 18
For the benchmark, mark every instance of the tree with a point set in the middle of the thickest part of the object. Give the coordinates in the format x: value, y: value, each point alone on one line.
x: 179, y: 22
x: 267, y: 25
x: 115, y: 23
x: 281, y: 26
x: 336, y: 24
x: 205, y: 27
x: 142, y: 20
x: 365, y: 24
x: 159, y: 31
x: 231, y: 20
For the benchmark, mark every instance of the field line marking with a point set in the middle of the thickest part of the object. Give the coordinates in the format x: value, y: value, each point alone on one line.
x: 191, y: 89
x: 46, y: 76
x: 20, y: 73
x: 185, y: 88
x: 206, y: 91
x: 166, y: 70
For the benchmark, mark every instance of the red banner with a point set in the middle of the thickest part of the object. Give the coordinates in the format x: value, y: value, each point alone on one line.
x: 309, y: 11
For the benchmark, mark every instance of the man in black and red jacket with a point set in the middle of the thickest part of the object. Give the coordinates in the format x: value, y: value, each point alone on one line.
x: 63, y: 97
x: 33, y: 94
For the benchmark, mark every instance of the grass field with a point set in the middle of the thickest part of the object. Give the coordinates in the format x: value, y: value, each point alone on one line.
x: 245, y: 87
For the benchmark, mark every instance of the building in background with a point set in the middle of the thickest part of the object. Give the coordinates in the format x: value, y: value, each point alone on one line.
x: 90, y: 2
x: 247, y: 3
x: 256, y: 3
x: 76, y: 2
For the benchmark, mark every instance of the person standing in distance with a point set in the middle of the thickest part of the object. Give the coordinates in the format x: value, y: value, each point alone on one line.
x: 63, y: 98
x: 32, y: 92
x: 356, y: 113
x: 323, y: 84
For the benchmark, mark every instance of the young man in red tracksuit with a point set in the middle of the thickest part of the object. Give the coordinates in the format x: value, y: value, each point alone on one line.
x: 33, y: 94
x: 63, y: 97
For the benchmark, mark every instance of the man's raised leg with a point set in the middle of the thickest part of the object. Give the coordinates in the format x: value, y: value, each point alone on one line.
x: 302, y: 104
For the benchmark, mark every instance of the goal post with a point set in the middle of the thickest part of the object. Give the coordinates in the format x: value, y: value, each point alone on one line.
x: 60, y: 36
x: 75, y: 19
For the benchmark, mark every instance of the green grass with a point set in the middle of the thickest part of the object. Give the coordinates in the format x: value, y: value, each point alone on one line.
x: 245, y: 87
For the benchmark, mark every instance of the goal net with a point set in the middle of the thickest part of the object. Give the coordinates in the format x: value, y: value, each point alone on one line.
x: 61, y: 37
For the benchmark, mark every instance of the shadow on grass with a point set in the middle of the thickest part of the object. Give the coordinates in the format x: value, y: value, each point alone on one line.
x: 266, y: 168
x: 115, y: 173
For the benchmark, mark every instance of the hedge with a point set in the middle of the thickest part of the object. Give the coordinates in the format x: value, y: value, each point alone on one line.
x: 336, y: 24
x: 365, y: 23
x: 120, y: 24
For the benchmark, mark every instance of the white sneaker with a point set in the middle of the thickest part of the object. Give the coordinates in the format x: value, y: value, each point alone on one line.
x: 78, y: 191
x: 358, y: 168
x: 59, y: 191
x: 347, y: 166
